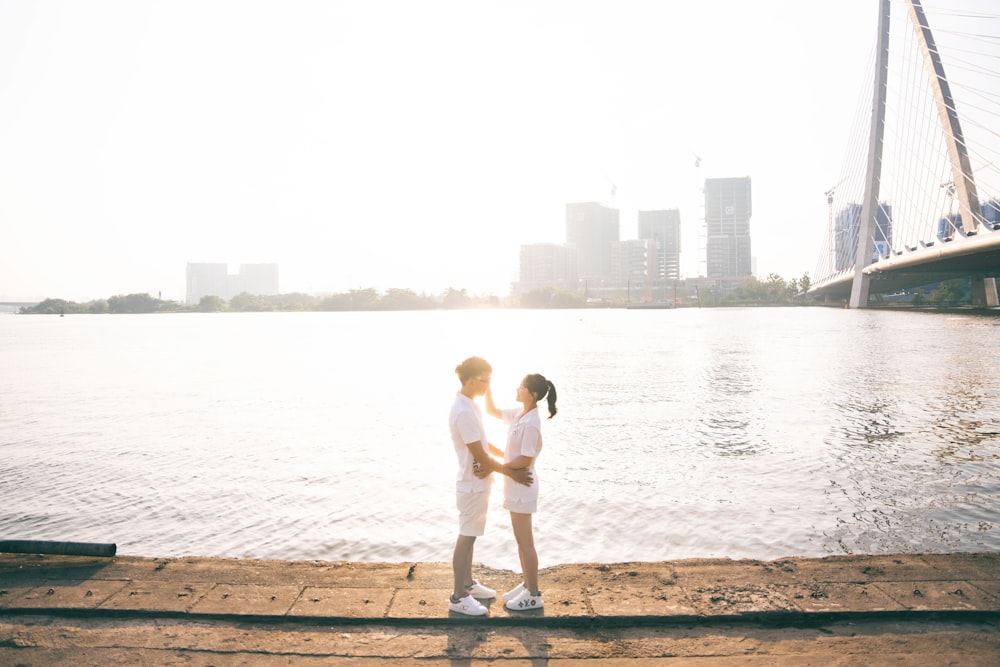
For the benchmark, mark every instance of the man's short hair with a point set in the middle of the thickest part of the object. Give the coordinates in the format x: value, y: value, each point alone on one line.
x: 472, y: 367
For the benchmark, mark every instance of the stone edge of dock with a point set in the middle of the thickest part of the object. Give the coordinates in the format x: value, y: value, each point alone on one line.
x: 786, y: 590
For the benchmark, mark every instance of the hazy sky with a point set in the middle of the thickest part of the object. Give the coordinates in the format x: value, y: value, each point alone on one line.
x: 403, y: 143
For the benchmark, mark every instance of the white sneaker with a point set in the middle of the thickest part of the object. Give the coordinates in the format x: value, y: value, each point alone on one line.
x: 525, y: 602
x: 468, y: 605
x: 477, y: 590
x: 514, y: 592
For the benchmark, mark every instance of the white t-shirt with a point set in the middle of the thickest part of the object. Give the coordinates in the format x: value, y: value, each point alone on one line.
x: 524, y: 435
x: 466, y: 422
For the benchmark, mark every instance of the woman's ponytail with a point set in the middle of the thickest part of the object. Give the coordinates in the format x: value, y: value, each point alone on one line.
x: 550, y: 396
x: 541, y: 388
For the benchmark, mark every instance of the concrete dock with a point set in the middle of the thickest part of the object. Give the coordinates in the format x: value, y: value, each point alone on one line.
x: 912, y: 609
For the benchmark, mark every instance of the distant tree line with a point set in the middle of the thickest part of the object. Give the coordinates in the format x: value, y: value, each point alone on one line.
x: 357, y: 299
x: 773, y: 291
x: 130, y: 303
x: 955, y: 292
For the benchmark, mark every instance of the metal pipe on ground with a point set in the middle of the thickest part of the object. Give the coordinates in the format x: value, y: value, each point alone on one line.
x: 58, y: 548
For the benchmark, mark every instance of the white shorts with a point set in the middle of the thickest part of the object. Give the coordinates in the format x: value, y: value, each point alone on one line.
x: 520, y: 498
x: 472, y: 506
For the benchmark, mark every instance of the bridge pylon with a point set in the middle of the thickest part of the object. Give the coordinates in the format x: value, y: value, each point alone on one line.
x: 861, y: 284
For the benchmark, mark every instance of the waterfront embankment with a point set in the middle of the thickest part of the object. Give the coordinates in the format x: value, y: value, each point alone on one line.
x: 917, y: 609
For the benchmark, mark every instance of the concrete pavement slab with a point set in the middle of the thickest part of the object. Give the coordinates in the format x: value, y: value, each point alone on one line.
x: 248, y: 599
x: 150, y: 596
x: 739, y: 599
x: 964, y: 565
x: 864, y: 569
x: 839, y: 597
x: 343, y: 602
x: 656, y: 600
x: 991, y: 587
x: 714, y: 572
x: 938, y: 595
x: 86, y: 594
x: 426, y: 603
x: 10, y: 596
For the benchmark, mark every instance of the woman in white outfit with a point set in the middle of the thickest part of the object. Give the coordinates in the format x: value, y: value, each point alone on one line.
x: 524, y: 443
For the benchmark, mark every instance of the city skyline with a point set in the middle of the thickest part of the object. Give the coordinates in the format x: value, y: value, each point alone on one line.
x: 351, y: 142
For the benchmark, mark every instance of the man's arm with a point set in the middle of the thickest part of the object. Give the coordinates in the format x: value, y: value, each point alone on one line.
x: 487, y: 465
x: 484, y: 464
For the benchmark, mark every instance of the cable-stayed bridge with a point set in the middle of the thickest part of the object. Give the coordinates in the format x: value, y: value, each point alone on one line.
x: 918, y: 199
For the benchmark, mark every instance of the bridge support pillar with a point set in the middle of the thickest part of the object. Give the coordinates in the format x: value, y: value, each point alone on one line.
x: 984, y: 291
x: 860, y: 289
x: 861, y: 284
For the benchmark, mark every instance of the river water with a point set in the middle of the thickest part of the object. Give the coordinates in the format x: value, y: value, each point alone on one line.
x: 742, y: 433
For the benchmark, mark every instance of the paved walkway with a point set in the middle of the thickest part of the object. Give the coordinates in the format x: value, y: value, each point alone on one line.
x: 662, y: 607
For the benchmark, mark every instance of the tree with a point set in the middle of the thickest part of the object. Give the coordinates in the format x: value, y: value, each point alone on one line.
x: 950, y: 292
x: 773, y: 291
x: 211, y: 304
x: 402, y: 299
x: 335, y: 302
x: 805, y: 282
x: 356, y: 299
x: 292, y: 301
x: 750, y: 290
x: 246, y: 302
x: 363, y: 299
x: 777, y: 290
x: 454, y: 298
x: 172, y: 307
x: 55, y: 307
x: 132, y: 303
x: 561, y: 299
x: 550, y: 298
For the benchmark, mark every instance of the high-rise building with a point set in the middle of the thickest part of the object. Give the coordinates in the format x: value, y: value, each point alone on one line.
x: 727, y: 225
x: 951, y: 223
x: 591, y: 228
x: 846, y: 226
x: 205, y: 280
x: 212, y: 279
x: 665, y: 228
x: 991, y: 213
x: 258, y: 279
x: 631, y: 263
x: 547, y: 265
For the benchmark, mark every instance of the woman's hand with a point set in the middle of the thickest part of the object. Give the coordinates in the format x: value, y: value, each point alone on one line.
x: 491, y: 408
x: 519, y: 475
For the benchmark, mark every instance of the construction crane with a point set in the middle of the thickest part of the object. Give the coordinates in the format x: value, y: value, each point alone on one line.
x: 829, y: 229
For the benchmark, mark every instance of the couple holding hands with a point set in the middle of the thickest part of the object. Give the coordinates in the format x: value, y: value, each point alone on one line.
x: 475, y: 478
